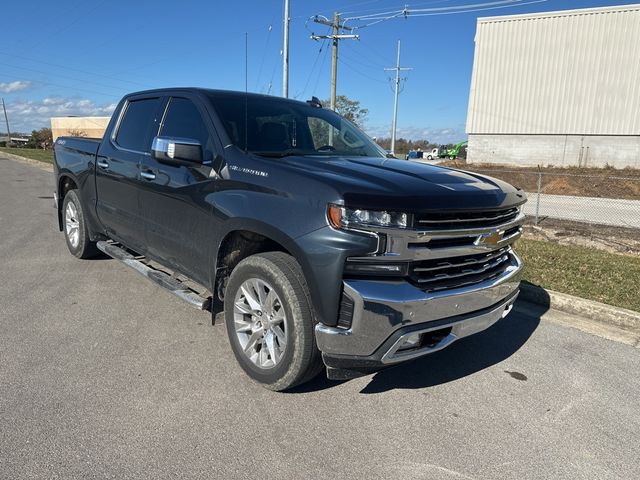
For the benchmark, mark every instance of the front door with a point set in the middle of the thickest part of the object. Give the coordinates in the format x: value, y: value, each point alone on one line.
x: 178, y: 221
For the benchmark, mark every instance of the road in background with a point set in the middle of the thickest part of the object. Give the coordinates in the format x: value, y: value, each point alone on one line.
x: 603, y: 211
x: 103, y: 374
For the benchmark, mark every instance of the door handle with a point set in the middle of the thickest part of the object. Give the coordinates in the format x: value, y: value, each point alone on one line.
x: 148, y: 175
x: 103, y: 164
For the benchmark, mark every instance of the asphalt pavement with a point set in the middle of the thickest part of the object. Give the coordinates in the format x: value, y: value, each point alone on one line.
x: 105, y: 375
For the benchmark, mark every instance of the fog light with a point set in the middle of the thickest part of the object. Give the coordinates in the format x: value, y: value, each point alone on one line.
x: 410, y: 341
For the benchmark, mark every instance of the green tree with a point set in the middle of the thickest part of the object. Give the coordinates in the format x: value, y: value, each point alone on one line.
x: 41, y: 138
x: 349, y: 109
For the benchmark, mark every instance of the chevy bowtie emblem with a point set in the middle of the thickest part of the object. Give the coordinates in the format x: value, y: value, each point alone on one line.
x: 491, y: 238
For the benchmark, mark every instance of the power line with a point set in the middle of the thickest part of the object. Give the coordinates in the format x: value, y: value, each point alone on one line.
x: 61, y: 76
x: 351, y: 67
x: 108, y: 95
x: 339, y: 25
x: 264, y: 54
x: 60, y: 30
x: 315, y: 62
x: 372, y: 65
x: 412, y: 4
x: 407, y: 12
x: 67, y: 68
x: 324, y: 59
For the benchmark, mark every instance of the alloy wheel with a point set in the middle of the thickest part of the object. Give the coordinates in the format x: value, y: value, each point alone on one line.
x: 260, y: 323
x: 72, y: 224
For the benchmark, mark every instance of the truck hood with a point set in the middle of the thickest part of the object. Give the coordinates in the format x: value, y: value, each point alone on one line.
x: 381, y: 183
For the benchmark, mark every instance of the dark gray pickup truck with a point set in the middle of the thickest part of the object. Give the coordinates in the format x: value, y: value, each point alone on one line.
x: 322, y: 251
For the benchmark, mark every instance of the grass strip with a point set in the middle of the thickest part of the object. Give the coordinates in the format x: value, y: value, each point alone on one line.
x: 584, y: 272
x: 45, y: 156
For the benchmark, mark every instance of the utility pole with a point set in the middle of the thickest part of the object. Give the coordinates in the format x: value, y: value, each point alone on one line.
x: 335, y: 29
x: 285, y: 52
x: 397, y: 69
x: 6, y: 119
x: 335, y: 37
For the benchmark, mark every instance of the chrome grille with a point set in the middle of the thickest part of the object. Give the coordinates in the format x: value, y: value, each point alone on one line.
x: 468, y: 219
x: 441, y: 274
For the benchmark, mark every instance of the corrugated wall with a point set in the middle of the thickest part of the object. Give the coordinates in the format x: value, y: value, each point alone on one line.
x: 571, y: 72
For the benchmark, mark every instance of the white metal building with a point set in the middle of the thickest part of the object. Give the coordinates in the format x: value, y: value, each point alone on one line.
x: 557, y: 88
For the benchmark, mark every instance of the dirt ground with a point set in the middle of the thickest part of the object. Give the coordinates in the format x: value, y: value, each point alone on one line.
x: 625, y: 241
x: 584, y: 182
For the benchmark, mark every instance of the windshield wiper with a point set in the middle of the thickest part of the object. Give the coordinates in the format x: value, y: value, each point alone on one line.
x: 284, y: 153
x: 306, y: 153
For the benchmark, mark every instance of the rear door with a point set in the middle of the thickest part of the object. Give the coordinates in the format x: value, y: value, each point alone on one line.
x: 178, y: 220
x: 118, y: 167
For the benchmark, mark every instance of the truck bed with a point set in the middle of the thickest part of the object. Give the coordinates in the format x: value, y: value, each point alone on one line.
x: 75, y: 153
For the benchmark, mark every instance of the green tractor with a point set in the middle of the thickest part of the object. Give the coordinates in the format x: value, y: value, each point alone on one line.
x: 451, y: 153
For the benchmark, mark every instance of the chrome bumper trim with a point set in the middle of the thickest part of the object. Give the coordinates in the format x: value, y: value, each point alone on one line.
x: 459, y: 329
x: 382, y: 307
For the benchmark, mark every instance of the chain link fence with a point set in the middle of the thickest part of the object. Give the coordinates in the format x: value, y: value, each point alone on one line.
x: 591, y: 199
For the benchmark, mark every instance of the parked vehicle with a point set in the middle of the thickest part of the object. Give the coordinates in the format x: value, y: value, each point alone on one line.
x: 319, y: 249
x: 432, y: 154
x: 450, y: 153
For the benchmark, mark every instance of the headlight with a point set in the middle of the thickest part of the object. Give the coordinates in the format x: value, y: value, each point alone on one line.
x: 343, y: 217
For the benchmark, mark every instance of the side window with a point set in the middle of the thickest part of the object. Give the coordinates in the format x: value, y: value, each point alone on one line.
x: 184, y: 120
x: 136, y: 125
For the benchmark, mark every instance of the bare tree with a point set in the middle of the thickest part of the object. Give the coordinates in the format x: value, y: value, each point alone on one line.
x: 74, y: 132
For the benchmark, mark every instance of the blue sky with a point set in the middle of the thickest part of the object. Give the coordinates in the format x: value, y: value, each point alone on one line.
x: 78, y: 57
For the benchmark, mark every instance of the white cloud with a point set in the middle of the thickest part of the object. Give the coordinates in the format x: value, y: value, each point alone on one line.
x: 14, y: 86
x: 27, y: 115
x: 434, y: 135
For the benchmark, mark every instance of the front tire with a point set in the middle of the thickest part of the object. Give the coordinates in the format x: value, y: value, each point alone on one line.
x: 269, y: 321
x: 75, y: 227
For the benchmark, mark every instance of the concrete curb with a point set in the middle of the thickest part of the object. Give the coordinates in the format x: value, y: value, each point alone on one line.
x: 29, y: 161
x: 600, y: 312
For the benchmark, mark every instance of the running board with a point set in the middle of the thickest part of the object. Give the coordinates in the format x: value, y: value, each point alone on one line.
x: 162, y: 279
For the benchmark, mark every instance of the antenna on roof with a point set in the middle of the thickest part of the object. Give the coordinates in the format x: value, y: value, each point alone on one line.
x: 314, y: 102
x: 246, y: 91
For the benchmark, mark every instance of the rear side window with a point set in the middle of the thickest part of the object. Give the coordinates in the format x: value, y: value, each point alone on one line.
x: 136, y: 125
x: 184, y: 120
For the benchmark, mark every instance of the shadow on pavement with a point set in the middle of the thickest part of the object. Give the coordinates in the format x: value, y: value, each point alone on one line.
x: 465, y: 357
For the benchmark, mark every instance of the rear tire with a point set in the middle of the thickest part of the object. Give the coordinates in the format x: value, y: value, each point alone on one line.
x: 75, y: 227
x: 270, y: 322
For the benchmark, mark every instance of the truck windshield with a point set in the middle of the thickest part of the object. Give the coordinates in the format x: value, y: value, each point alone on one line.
x: 276, y: 127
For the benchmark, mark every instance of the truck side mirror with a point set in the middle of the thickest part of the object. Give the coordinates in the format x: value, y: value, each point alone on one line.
x: 176, y: 151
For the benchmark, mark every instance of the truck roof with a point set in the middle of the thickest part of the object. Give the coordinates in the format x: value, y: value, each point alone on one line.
x: 212, y: 91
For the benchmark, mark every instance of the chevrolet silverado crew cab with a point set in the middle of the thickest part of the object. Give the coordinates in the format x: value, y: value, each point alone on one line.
x: 321, y: 251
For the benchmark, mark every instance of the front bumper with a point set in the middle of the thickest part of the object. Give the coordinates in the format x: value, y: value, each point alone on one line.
x: 386, y: 312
